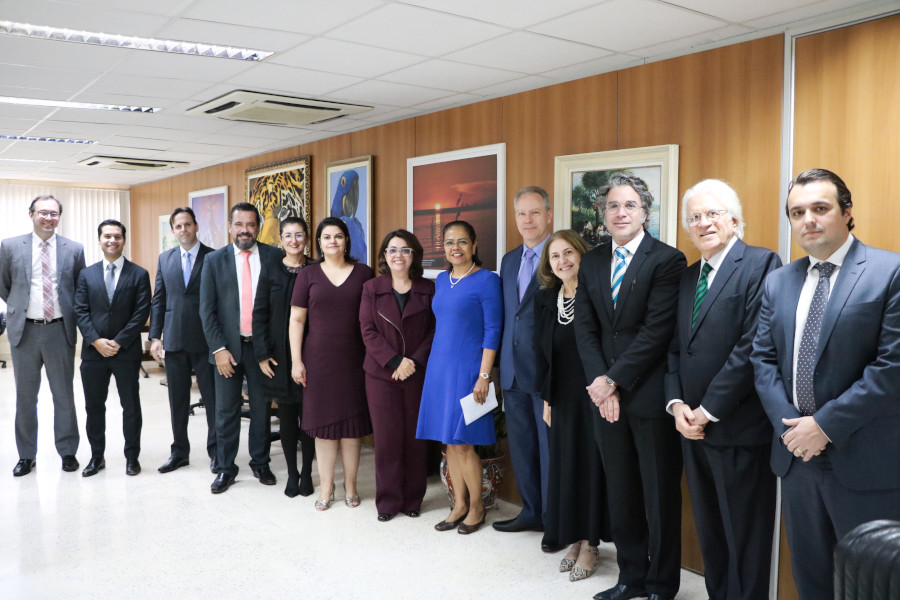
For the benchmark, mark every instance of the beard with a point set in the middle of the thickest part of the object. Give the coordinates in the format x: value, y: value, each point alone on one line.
x: 244, y: 242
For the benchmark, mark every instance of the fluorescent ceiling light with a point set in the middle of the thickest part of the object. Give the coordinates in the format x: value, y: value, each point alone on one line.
x: 67, y: 104
x: 26, y: 160
x: 136, y: 43
x: 28, y: 138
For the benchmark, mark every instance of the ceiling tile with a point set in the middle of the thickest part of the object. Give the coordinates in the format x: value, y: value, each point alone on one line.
x: 523, y: 84
x: 66, y: 80
x: 101, y: 19
x: 448, y: 75
x: 594, y: 67
x: 180, y: 66
x: 693, y: 43
x: 448, y: 102
x: 275, y: 132
x: 415, y: 30
x: 139, y: 144
x: 136, y: 85
x: 387, y: 114
x: 227, y: 34
x: 741, y: 11
x: 817, y: 9
x: 393, y: 94
x: 509, y: 13
x: 302, y: 17
x: 623, y: 25
x: 123, y: 100
x: 290, y: 80
x: 335, y: 56
x: 527, y: 53
x: 17, y: 50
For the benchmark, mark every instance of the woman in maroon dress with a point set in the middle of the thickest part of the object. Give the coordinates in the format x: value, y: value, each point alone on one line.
x: 328, y: 361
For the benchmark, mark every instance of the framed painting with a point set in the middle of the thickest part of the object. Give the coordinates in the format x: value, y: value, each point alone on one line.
x: 211, y: 209
x: 348, y: 196
x: 167, y: 239
x: 580, y: 177
x: 463, y: 185
x: 279, y: 190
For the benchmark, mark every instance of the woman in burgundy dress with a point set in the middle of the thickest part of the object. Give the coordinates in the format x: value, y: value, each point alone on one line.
x: 327, y: 353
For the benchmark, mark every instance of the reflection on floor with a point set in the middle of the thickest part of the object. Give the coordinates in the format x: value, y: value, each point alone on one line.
x: 165, y: 536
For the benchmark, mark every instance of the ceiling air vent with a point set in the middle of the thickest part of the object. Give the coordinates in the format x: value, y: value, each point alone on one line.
x: 272, y: 109
x: 130, y: 164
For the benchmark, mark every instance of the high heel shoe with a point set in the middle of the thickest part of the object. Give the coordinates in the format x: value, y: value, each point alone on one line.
x: 326, y: 504
x: 448, y: 525
x: 351, y: 501
x: 578, y: 572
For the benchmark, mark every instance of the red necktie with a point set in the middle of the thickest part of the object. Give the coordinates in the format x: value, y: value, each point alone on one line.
x: 47, y: 281
x: 246, y: 296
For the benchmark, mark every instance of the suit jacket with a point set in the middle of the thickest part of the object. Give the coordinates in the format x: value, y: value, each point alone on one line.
x: 120, y: 320
x: 629, y: 343
x: 220, y: 304
x: 15, y: 282
x: 271, y: 315
x: 175, y: 309
x: 517, y: 347
x: 857, y: 374
x: 387, y: 333
x: 545, y: 313
x: 709, y: 363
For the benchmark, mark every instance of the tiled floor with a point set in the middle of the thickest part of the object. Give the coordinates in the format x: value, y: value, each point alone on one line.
x: 165, y: 536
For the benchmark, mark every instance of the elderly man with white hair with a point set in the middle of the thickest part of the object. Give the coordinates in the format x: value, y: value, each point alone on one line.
x: 726, y: 435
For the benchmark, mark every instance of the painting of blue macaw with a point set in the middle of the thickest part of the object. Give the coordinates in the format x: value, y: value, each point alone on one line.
x: 346, y: 206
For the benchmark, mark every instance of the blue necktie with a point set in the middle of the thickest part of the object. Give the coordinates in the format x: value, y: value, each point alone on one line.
x: 110, y: 280
x: 187, y: 268
x: 526, y: 272
x: 619, y: 272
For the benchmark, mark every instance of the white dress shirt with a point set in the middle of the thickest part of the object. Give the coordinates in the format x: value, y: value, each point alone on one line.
x: 631, y: 246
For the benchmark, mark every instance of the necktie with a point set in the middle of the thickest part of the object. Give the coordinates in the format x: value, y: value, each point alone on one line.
x: 700, y: 294
x: 810, y: 341
x: 246, y: 296
x: 47, y: 281
x: 619, y: 272
x: 187, y: 268
x: 110, y: 280
x: 526, y: 272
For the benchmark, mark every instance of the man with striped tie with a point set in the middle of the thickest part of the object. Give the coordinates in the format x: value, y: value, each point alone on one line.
x: 726, y: 436
x: 625, y: 316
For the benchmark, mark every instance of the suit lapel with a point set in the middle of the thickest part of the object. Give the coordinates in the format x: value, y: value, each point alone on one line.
x: 604, y: 273
x: 634, y: 267
x: 788, y: 304
x: 723, y: 274
x: 853, y: 267
x: 26, y: 255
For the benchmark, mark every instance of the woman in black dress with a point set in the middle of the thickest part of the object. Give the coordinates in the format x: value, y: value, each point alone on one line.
x: 270, y: 343
x: 576, y: 496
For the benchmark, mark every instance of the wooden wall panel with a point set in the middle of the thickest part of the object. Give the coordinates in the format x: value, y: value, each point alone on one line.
x: 847, y: 119
x: 457, y: 128
x: 723, y: 108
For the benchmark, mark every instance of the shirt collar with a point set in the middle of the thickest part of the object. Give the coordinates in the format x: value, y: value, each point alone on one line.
x: 36, y: 239
x: 837, y: 257
x: 631, y: 246
x: 119, y: 262
x: 193, y: 251
x: 538, y: 249
x: 237, y: 251
x: 716, y: 259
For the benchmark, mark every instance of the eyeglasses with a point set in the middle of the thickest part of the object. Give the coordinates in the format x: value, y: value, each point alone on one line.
x: 402, y: 251
x: 293, y: 236
x: 630, y: 207
x: 46, y: 214
x: 712, y: 215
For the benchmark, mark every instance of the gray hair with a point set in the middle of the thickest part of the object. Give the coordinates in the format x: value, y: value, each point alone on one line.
x: 722, y: 192
x: 534, y: 189
x: 640, y: 187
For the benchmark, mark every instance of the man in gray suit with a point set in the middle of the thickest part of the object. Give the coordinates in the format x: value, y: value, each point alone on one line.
x: 38, y: 272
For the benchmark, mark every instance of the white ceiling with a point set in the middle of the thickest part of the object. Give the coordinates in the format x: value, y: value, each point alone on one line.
x: 403, y: 58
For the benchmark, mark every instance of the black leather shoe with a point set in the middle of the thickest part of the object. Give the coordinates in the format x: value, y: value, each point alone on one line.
x: 551, y: 548
x: 658, y: 597
x: 213, y: 466
x: 514, y: 526
x: 621, y: 592
x: 385, y: 517
x: 413, y: 513
x: 132, y: 467
x: 24, y: 467
x: 69, y: 463
x: 222, y: 482
x: 264, y: 474
x: 173, y: 463
x: 94, y: 466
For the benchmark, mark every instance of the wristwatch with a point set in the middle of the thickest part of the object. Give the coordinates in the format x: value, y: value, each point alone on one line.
x: 484, y: 376
x: 609, y: 381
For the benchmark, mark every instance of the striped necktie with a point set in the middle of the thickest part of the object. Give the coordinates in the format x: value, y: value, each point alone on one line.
x: 700, y: 294
x: 619, y: 272
x: 47, y: 282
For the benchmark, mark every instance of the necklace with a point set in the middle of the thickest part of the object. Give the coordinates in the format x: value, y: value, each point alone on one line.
x: 450, y: 275
x: 565, y: 308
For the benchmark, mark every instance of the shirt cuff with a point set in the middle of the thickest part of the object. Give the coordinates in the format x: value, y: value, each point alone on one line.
x: 218, y: 350
x: 671, y: 404
x: 708, y: 415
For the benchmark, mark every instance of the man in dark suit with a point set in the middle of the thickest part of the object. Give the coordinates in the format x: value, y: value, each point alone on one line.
x: 827, y: 362
x: 227, y: 293
x: 38, y: 272
x: 112, y: 303
x: 176, y: 329
x: 726, y: 434
x: 521, y: 398
x: 625, y: 316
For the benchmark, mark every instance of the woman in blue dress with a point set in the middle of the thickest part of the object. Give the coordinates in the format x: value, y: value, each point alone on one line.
x: 468, y: 309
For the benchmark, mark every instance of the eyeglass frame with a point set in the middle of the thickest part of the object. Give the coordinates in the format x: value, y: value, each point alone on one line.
x: 404, y: 251
x: 712, y: 215
x: 630, y: 207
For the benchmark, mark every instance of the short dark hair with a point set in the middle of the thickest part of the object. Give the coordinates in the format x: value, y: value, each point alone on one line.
x: 110, y: 223
x: 44, y: 197
x: 470, y: 231
x: 415, y: 269
x: 334, y: 222
x: 244, y: 207
x: 178, y: 211
x: 640, y: 187
x: 293, y: 220
x: 808, y: 176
